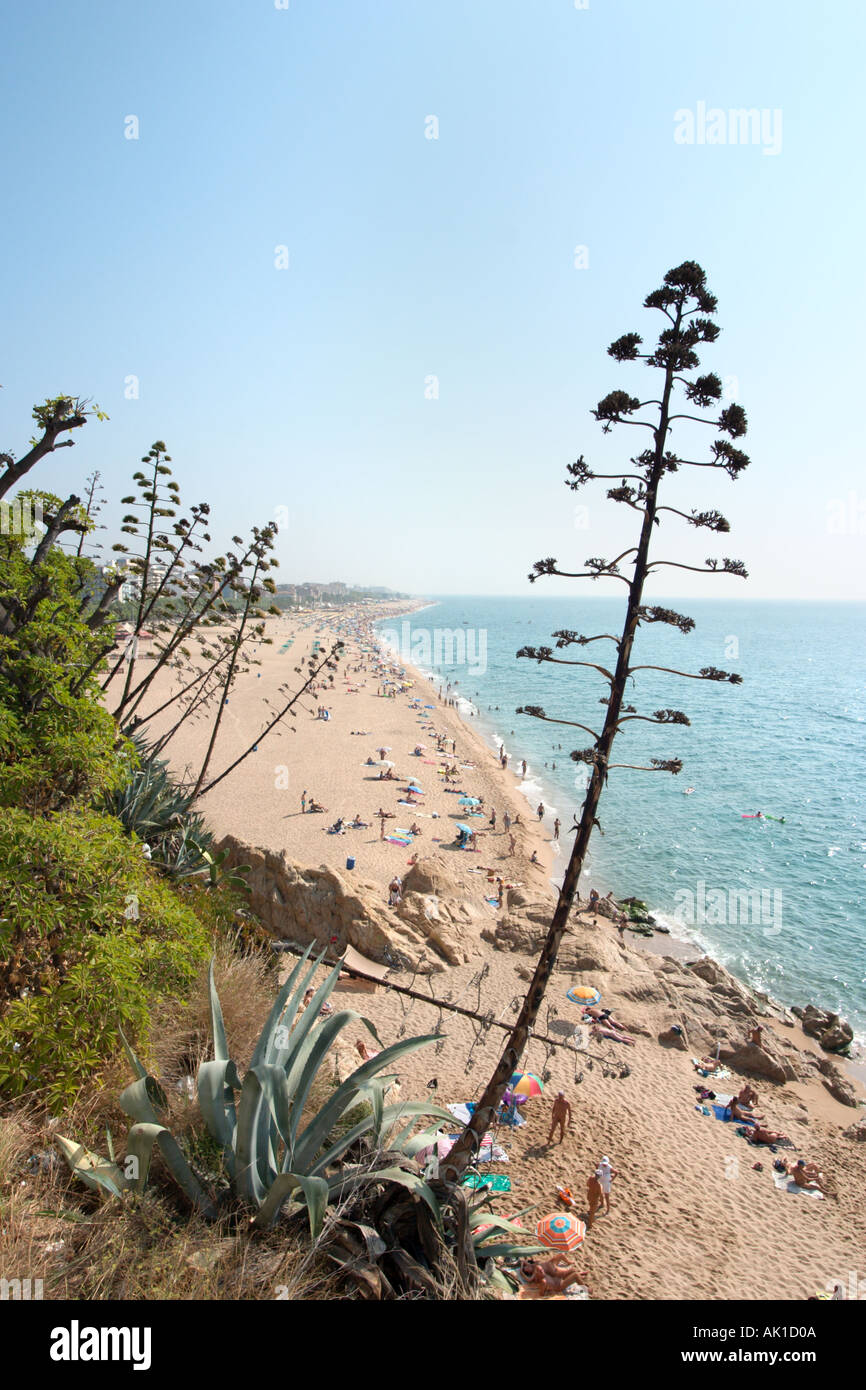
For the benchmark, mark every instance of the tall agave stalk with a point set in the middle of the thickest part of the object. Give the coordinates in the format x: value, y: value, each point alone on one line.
x: 684, y: 300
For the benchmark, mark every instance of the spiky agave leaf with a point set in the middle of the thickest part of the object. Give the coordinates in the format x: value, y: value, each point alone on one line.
x: 92, y: 1168
x: 315, y: 1195
x: 139, y: 1145
x: 317, y: 1131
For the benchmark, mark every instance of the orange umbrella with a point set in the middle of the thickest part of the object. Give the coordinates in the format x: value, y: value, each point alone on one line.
x: 561, y: 1231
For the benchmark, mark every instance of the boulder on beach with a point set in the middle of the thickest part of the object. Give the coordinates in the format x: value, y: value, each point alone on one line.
x: 832, y: 1033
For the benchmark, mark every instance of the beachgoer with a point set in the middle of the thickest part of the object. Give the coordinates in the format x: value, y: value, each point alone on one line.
x: 552, y: 1276
x: 492, y: 821
x: 395, y: 892
x: 512, y: 844
x: 501, y: 891
x: 604, y: 1030
x: 506, y: 821
x: 364, y: 1052
x: 760, y: 1135
x: 808, y: 1176
x: 303, y: 801
x: 560, y: 1115
x: 755, y: 1035
x: 748, y: 1095
x: 540, y: 811
x: 594, y: 1198
x: 746, y: 1117
x: 533, y: 858
x: 556, y: 825
x: 523, y: 768
x: 605, y: 1174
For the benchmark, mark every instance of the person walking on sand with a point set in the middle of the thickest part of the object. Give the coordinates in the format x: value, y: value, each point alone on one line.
x: 512, y: 845
x: 556, y: 825
x: 500, y: 892
x: 594, y: 1198
x: 492, y: 821
x: 540, y: 811
x: 560, y: 1115
x: 506, y: 821
x: 303, y: 801
x: 605, y: 1174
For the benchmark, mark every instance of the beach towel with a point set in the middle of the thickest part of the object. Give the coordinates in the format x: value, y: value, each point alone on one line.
x: 399, y: 840
x: 496, y: 1182
x: 783, y: 1183
x: 722, y: 1112
x: 463, y: 1110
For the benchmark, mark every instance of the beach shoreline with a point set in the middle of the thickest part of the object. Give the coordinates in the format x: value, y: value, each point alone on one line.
x: 676, y: 1230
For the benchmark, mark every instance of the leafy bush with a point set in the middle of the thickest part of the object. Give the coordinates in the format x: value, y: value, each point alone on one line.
x: 88, y: 936
x: 57, y: 744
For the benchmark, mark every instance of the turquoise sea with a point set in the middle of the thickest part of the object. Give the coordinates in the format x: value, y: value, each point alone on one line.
x: 781, y: 905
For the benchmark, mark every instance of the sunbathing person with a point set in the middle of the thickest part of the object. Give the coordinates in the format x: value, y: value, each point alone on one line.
x: 603, y: 1016
x: 315, y: 806
x: 808, y: 1176
x: 552, y: 1276
x: 414, y: 828
x: 760, y: 1135
x: 748, y: 1096
x: 605, y: 1031
x: 364, y: 1052
x: 746, y: 1117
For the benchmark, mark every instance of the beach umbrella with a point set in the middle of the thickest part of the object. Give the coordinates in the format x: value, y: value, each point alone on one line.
x: 467, y: 829
x: 583, y: 994
x: 383, y: 762
x: 561, y: 1231
x: 526, y: 1084
x: 468, y: 801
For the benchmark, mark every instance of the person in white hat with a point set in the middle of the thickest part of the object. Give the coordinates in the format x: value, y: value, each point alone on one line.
x: 605, y: 1174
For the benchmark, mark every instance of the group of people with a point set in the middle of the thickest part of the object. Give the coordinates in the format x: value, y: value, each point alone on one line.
x: 599, y: 1181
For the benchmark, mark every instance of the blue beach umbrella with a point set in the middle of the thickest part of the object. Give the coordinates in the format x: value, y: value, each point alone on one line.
x: 583, y: 994
x: 467, y: 829
x: 468, y: 801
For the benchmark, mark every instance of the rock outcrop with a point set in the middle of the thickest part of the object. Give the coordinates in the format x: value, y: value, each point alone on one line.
x: 832, y: 1033
x: 304, y: 904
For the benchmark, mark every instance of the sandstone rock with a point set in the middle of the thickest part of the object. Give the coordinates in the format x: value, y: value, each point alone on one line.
x: 857, y: 1132
x: 318, y: 904
x: 759, y: 1061
x: 839, y: 1086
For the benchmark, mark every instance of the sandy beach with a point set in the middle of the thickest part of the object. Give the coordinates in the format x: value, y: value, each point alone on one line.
x: 692, y: 1217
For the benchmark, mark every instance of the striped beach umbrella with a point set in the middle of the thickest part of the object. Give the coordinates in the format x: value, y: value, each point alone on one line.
x: 526, y: 1083
x: 583, y: 994
x: 561, y: 1231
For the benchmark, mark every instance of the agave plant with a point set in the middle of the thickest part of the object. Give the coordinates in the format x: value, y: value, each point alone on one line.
x: 271, y: 1151
x: 152, y: 806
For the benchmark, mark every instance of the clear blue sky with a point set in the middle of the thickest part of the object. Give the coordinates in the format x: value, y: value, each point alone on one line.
x: 411, y: 257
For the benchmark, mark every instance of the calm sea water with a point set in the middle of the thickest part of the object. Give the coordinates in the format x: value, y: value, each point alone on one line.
x: 781, y: 905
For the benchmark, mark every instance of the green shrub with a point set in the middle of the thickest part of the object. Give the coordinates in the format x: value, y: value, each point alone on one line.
x: 89, y: 935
